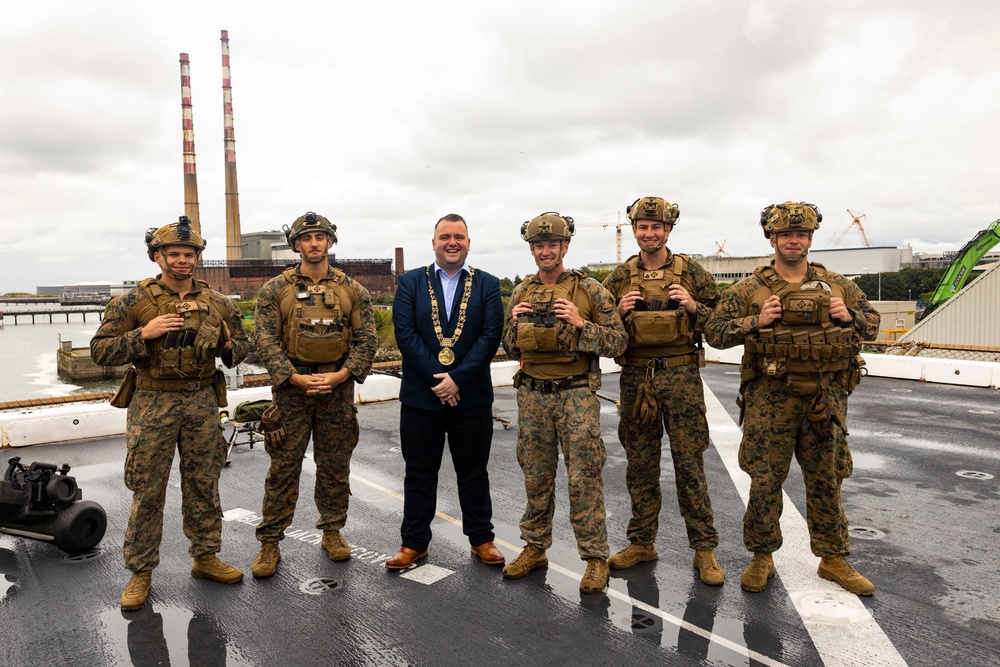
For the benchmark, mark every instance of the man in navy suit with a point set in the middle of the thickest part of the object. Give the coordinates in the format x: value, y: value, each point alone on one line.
x: 448, y: 319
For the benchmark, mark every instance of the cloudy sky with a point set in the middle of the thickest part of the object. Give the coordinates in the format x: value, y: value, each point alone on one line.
x: 384, y: 116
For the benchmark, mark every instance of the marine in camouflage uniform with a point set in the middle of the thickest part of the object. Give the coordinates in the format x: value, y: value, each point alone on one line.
x: 315, y: 334
x: 664, y: 300
x: 801, y: 326
x: 175, y: 402
x: 558, y: 323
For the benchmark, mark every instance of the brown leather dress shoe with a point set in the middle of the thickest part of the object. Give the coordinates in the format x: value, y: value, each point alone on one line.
x: 489, y: 554
x: 404, y: 558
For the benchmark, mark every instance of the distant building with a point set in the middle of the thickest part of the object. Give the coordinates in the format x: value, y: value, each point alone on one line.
x: 846, y: 261
x: 601, y: 266
x: 941, y: 260
x: 257, y: 245
x: 243, y: 278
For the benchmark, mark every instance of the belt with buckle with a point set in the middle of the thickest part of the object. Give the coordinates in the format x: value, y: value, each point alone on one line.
x: 661, y: 363
x: 546, y: 386
x: 303, y: 369
x: 174, y: 385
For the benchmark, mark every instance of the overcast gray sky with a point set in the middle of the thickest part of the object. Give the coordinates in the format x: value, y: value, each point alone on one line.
x: 384, y: 116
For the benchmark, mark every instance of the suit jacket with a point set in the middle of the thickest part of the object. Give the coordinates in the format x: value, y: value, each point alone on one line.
x: 474, y: 350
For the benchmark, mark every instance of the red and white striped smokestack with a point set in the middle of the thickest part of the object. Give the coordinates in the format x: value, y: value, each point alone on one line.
x: 234, y: 243
x: 187, y: 129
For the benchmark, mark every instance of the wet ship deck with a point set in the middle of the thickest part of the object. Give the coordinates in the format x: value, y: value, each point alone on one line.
x: 924, y: 508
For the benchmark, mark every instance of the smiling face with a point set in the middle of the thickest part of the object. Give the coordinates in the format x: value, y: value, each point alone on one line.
x: 791, y: 247
x: 548, y: 254
x: 451, y: 244
x: 651, y: 235
x: 176, y: 261
x: 313, y: 247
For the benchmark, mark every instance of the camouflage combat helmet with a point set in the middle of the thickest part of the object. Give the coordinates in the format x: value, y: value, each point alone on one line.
x: 792, y: 215
x: 310, y: 222
x: 548, y: 226
x: 653, y: 208
x: 176, y: 233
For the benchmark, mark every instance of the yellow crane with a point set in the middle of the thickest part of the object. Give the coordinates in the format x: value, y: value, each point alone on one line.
x: 618, y: 224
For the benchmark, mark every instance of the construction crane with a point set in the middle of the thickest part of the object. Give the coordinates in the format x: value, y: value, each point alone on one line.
x: 618, y: 232
x: 722, y: 248
x: 855, y: 222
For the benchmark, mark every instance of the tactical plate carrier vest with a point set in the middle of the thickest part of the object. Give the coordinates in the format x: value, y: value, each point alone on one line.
x: 172, y: 355
x: 655, y: 332
x: 548, y: 344
x: 805, y: 343
x: 315, y: 319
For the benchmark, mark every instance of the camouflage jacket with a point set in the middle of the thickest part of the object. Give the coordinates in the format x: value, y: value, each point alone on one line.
x: 705, y: 291
x: 731, y: 322
x: 118, y: 340
x: 268, y: 332
x: 604, y: 337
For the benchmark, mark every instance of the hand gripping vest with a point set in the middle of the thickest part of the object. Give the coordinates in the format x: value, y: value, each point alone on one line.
x: 805, y: 343
x: 655, y: 333
x: 172, y: 355
x: 548, y: 344
x: 315, y: 319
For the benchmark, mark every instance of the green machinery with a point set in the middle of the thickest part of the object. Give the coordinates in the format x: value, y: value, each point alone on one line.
x: 958, y: 272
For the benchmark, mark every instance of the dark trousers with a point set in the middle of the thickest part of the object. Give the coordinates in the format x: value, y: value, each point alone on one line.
x: 422, y: 435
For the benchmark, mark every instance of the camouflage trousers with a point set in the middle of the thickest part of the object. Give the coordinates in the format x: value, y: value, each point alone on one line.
x: 681, y: 410
x: 158, y: 423
x: 568, y: 420
x: 332, y: 421
x: 775, y: 428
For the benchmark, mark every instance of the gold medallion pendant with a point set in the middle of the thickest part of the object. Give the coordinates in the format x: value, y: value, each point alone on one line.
x: 447, y: 356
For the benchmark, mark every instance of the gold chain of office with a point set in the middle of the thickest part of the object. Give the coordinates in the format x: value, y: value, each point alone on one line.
x: 446, y: 356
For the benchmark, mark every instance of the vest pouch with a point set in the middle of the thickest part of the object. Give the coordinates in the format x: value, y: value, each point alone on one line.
x: 535, y: 338
x: 657, y: 327
x: 123, y: 396
x: 310, y: 347
x: 169, y: 365
x: 220, y: 388
x: 189, y: 364
x: 802, y: 307
x: 855, y: 370
x: 800, y: 385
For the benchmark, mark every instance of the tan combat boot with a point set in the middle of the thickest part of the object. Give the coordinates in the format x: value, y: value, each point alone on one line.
x: 760, y: 569
x: 335, y: 546
x: 210, y: 567
x: 708, y: 567
x: 631, y: 555
x: 532, y: 558
x: 266, y: 561
x: 838, y: 570
x: 596, y: 578
x: 136, y: 590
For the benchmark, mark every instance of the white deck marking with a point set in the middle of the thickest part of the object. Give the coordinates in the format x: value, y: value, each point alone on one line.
x: 426, y: 574
x: 841, y: 627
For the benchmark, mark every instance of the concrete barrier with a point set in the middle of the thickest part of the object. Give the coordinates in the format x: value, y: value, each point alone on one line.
x: 68, y: 423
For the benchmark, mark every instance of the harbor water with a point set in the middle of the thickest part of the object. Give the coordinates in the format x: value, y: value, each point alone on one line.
x: 28, y: 357
x: 28, y: 354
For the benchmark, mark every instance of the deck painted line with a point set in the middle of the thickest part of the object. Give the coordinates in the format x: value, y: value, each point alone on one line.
x: 426, y: 574
x: 840, y: 626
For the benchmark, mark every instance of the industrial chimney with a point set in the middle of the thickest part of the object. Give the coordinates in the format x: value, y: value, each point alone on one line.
x: 187, y: 128
x: 399, y: 262
x: 234, y: 243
